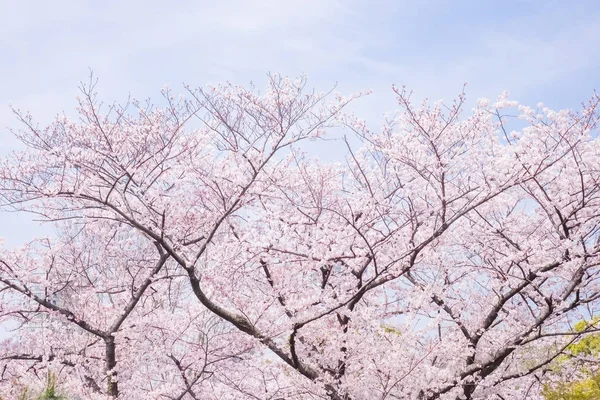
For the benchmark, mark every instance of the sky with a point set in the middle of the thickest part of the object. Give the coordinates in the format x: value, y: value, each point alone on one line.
x: 538, y: 50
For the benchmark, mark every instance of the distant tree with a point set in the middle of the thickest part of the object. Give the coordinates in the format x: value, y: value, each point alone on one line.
x: 575, y: 374
x: 446, y: 259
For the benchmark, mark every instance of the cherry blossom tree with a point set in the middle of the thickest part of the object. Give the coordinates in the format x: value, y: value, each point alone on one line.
x: 202, y: 253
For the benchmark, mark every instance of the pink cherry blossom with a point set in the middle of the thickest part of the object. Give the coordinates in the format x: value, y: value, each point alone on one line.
x: 201, y: 253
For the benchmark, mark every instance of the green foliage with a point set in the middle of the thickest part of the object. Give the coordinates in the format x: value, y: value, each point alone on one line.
x: 49, y: 392
x: 588, y: 345
x: 587, y: 388
x: 389, y: 329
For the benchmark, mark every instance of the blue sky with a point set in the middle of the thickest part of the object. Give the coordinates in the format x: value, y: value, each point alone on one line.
x: 538, y: 50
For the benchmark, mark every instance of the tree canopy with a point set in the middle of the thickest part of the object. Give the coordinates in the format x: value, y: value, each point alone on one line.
x: 201, y: 252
